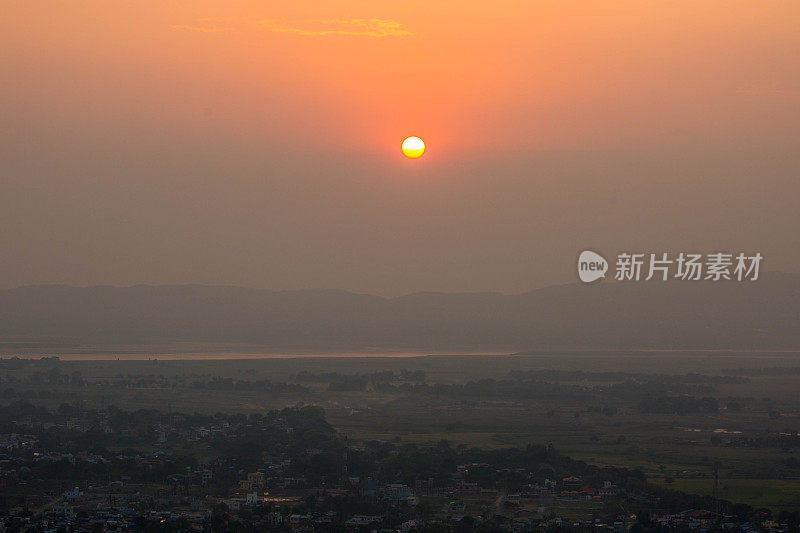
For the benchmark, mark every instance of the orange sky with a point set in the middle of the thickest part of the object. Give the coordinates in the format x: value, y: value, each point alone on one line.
x: 483, y: 75
x: 201, y: 93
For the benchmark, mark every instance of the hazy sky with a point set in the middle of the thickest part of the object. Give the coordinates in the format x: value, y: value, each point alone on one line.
x: 258, y: 143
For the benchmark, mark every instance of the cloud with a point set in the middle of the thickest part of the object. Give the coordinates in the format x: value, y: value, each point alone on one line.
x: 353, y: 27
x: 357, y: 27
x: 202, y: 29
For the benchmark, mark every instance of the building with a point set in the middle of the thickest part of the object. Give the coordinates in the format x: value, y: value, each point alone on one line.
x: 256, y: 478
x: 64, y: 509
x: 73, y: 494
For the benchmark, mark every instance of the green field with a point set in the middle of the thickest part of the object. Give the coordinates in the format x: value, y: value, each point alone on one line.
x: 779, y: 494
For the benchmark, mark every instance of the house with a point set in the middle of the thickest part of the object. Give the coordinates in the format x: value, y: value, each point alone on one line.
x: 609, y: 490
x: 372, y: 488
x: 463, y: 487
x: 363, y: 520
x: 73, y: 494
x: 398, y: 492
x: 537, y: 491
x: 64, y: 509
x: 256, y: 478
x: 234, y: 504
x: 427, y: 487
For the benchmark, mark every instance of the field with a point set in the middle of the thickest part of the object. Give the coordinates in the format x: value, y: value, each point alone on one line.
x: 771, y: 493
x: 751, y: 432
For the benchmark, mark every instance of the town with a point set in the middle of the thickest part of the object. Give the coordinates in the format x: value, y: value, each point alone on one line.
x: 79, y: 469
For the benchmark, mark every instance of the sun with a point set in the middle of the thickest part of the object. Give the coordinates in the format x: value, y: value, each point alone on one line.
x: 413, y: 147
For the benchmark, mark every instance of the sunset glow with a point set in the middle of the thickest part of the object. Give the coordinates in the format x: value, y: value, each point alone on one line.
x: 266, y: 135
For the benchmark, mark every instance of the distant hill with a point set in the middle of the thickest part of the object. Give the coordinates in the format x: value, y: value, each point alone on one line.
x: 743, y: 315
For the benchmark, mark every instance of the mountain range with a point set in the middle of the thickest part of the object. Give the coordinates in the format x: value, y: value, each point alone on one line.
x: 748, y: 315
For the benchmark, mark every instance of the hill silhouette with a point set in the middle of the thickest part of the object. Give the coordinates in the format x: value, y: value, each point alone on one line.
x: 738, y: 315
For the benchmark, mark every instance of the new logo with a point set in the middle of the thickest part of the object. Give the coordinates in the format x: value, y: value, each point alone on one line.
x: 591, y: 266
